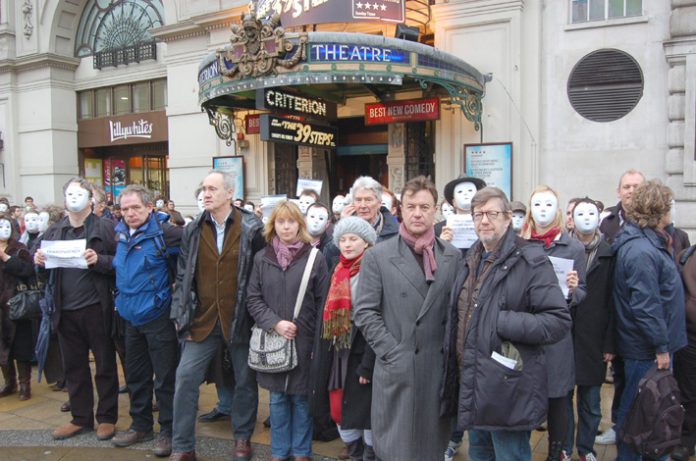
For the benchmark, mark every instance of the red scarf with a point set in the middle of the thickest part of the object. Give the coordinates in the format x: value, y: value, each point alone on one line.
x: 337, y: 324
x: 422, y: 245
x: 548, y: 237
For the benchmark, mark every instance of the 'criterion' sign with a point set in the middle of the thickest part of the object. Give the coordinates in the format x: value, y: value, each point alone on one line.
x: 414, y: 110
x: 283, y: 101
x: 279, y: 129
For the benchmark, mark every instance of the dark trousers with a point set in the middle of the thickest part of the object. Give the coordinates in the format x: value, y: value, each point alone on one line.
x: 79, y: 332
x: 619, y: 375
x: 685, y: 373
x: 151, y: 348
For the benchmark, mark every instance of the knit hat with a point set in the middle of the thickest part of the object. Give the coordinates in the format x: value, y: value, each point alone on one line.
x: 357, y: 226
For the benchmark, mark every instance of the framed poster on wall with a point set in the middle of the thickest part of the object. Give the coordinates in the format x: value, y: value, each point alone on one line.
x: 233, y: 165
x: 491, y: 162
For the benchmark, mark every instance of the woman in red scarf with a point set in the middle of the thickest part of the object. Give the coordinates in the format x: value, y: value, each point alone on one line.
x: 342, y: 355
x: 544, y: 224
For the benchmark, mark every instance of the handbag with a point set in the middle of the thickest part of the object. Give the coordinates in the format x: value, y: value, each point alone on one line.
x: 270, y: 352
x: 24, y: 305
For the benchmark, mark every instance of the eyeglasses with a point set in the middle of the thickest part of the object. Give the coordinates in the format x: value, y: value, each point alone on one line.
x: 491, y: 215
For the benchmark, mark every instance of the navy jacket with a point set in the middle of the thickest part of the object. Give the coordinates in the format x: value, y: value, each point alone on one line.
x: 145, y: 263
x: 648, y: 295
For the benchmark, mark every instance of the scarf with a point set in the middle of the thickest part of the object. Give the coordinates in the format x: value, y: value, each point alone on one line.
x: 548, y: 237
x: 590, y: 248
x: 422, y: 245
x: 337, y: 325
x: 285, y: 253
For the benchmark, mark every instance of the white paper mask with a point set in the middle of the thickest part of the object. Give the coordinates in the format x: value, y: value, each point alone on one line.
x: 387, y: 201
x: 76, y: 198
x: 517, y: 220
x: 544, y: 208
x: 5, y: 230
x: 585, y: 218
x: 338, y: 203
x: 32, y: 222
x: 249, y: 207
x: 305, y: 201
x: 200, y: 203
x: 3, y: 208
x: 159, y: 203
x: 446, y: 209
x: 43, y: 221
x: 317, y: 219
x: 463, y: 193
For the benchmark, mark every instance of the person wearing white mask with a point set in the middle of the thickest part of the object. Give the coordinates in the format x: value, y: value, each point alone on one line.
x: 32, y: 228
x: 446, y: 209
x: 458, y: 193
x: 519, y: 210
x: 85, y: 304
x: 307, y: 197
x: 317, y: 218
x: 391, y: 203
x: 544, y: 224
x: 337, y: 205
x: 4, y: 205
x: 593, y: 332
x: 16, y: 345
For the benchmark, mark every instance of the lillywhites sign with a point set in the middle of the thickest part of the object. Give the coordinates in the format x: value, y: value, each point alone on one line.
x: 279, y: 129
x: 402, y: 111
x: 305, y: 12
x: 339, y: 52
x: 137, y: 129
x: 279, y: 100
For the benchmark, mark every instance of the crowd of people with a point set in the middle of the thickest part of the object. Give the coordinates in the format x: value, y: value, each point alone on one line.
x: 396, y: 341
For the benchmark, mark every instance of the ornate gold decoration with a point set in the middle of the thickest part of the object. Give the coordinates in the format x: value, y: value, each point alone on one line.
x: 257, y: 48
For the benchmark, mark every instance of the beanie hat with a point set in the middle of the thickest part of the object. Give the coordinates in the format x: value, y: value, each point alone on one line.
x: 357, y: 226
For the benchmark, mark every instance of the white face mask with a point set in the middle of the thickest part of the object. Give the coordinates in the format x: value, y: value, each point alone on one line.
x: 43, y: 221
x: 387, y: 201
x: 5, y: 230
x: 463, y: 193
x: 446, y: 209
x: 3, y: 208
x: 32, y: 222
x: 317, y: 219
x: 200, y: 203
x: 544, y: 208
x: 305, y: 201
x: 585, y: 218
x: 338, y: 203
x: 249, y: 207
x: 517, y: 220
x: 159, y: 203
x: 76, y: 198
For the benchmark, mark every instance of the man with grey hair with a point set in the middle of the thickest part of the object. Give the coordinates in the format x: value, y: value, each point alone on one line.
x: 145, y: 259
x: 209, y: 311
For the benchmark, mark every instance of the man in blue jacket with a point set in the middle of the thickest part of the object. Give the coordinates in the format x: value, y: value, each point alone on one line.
x: 648, y: 295
x: 145, y: 256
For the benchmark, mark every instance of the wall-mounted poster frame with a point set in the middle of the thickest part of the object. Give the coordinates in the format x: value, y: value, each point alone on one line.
x: 491, y: 162
x: 233, y: 165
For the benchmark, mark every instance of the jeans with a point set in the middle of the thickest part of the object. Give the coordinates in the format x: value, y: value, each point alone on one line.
x: 195, y: 359
x: 499, y: 446
x: 291, y: 426
x: 589, y: 417
x: 224, y: 396
x: 151, y: 348
x: 617, y: 372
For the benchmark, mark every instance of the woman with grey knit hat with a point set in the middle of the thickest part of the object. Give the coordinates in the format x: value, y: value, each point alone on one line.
x: 343, y: 361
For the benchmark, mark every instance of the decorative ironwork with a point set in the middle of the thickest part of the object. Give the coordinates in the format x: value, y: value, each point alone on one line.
x: 257, y: 48
x: 223, y: 123
x: 108, y: 25
x: 125, y: 55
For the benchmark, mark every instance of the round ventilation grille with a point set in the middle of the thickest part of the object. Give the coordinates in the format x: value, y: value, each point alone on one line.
x: 605, y: 85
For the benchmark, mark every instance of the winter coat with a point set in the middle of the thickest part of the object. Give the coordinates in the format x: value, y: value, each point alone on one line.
x: 271, y: 296
x: 687, y: 263
x: 144, y: 272
x: 559, y: 356
x: 593, y: 320
x: 648, y: 295
x: 185, y: 298
x: 519, y: 302
x: 402, y: 318
x: 99, y: 233
x: 357, y: 398
x: 680, y: 240
x: 18, y: 267
x: 611, y: 225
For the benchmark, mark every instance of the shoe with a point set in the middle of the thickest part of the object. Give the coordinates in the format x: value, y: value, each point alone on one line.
x: 9, y: 373
x: 65, y: 407
x: 565, y: 456
x: 451, y: 450
x: 123, y: 390
x: 589, y: 457
x: 344, y: 453
x: 682, y: 453
x: 369, y: 453
x: 105, y: 431
x: 131, y: 437
x: 183, y: 456
x: 163, y: 445
x: 24, y: 373
x: 608, y: 437
x: 69, y: 430
x: 213, y: 416
x: 242, y: 450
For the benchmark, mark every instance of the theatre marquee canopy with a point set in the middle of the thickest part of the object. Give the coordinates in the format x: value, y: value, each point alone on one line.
x: 328, y: 66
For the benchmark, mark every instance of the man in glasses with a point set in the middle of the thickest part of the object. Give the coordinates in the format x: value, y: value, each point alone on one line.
x: 507, y: 297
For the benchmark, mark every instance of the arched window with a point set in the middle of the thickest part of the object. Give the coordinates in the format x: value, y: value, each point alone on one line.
x: 108, y: 25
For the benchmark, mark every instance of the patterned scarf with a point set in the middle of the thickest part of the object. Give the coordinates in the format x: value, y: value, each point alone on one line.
x: 548, y: 237
x: 422, y: 245
x: 337, y: 324
x: 285, y: 253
